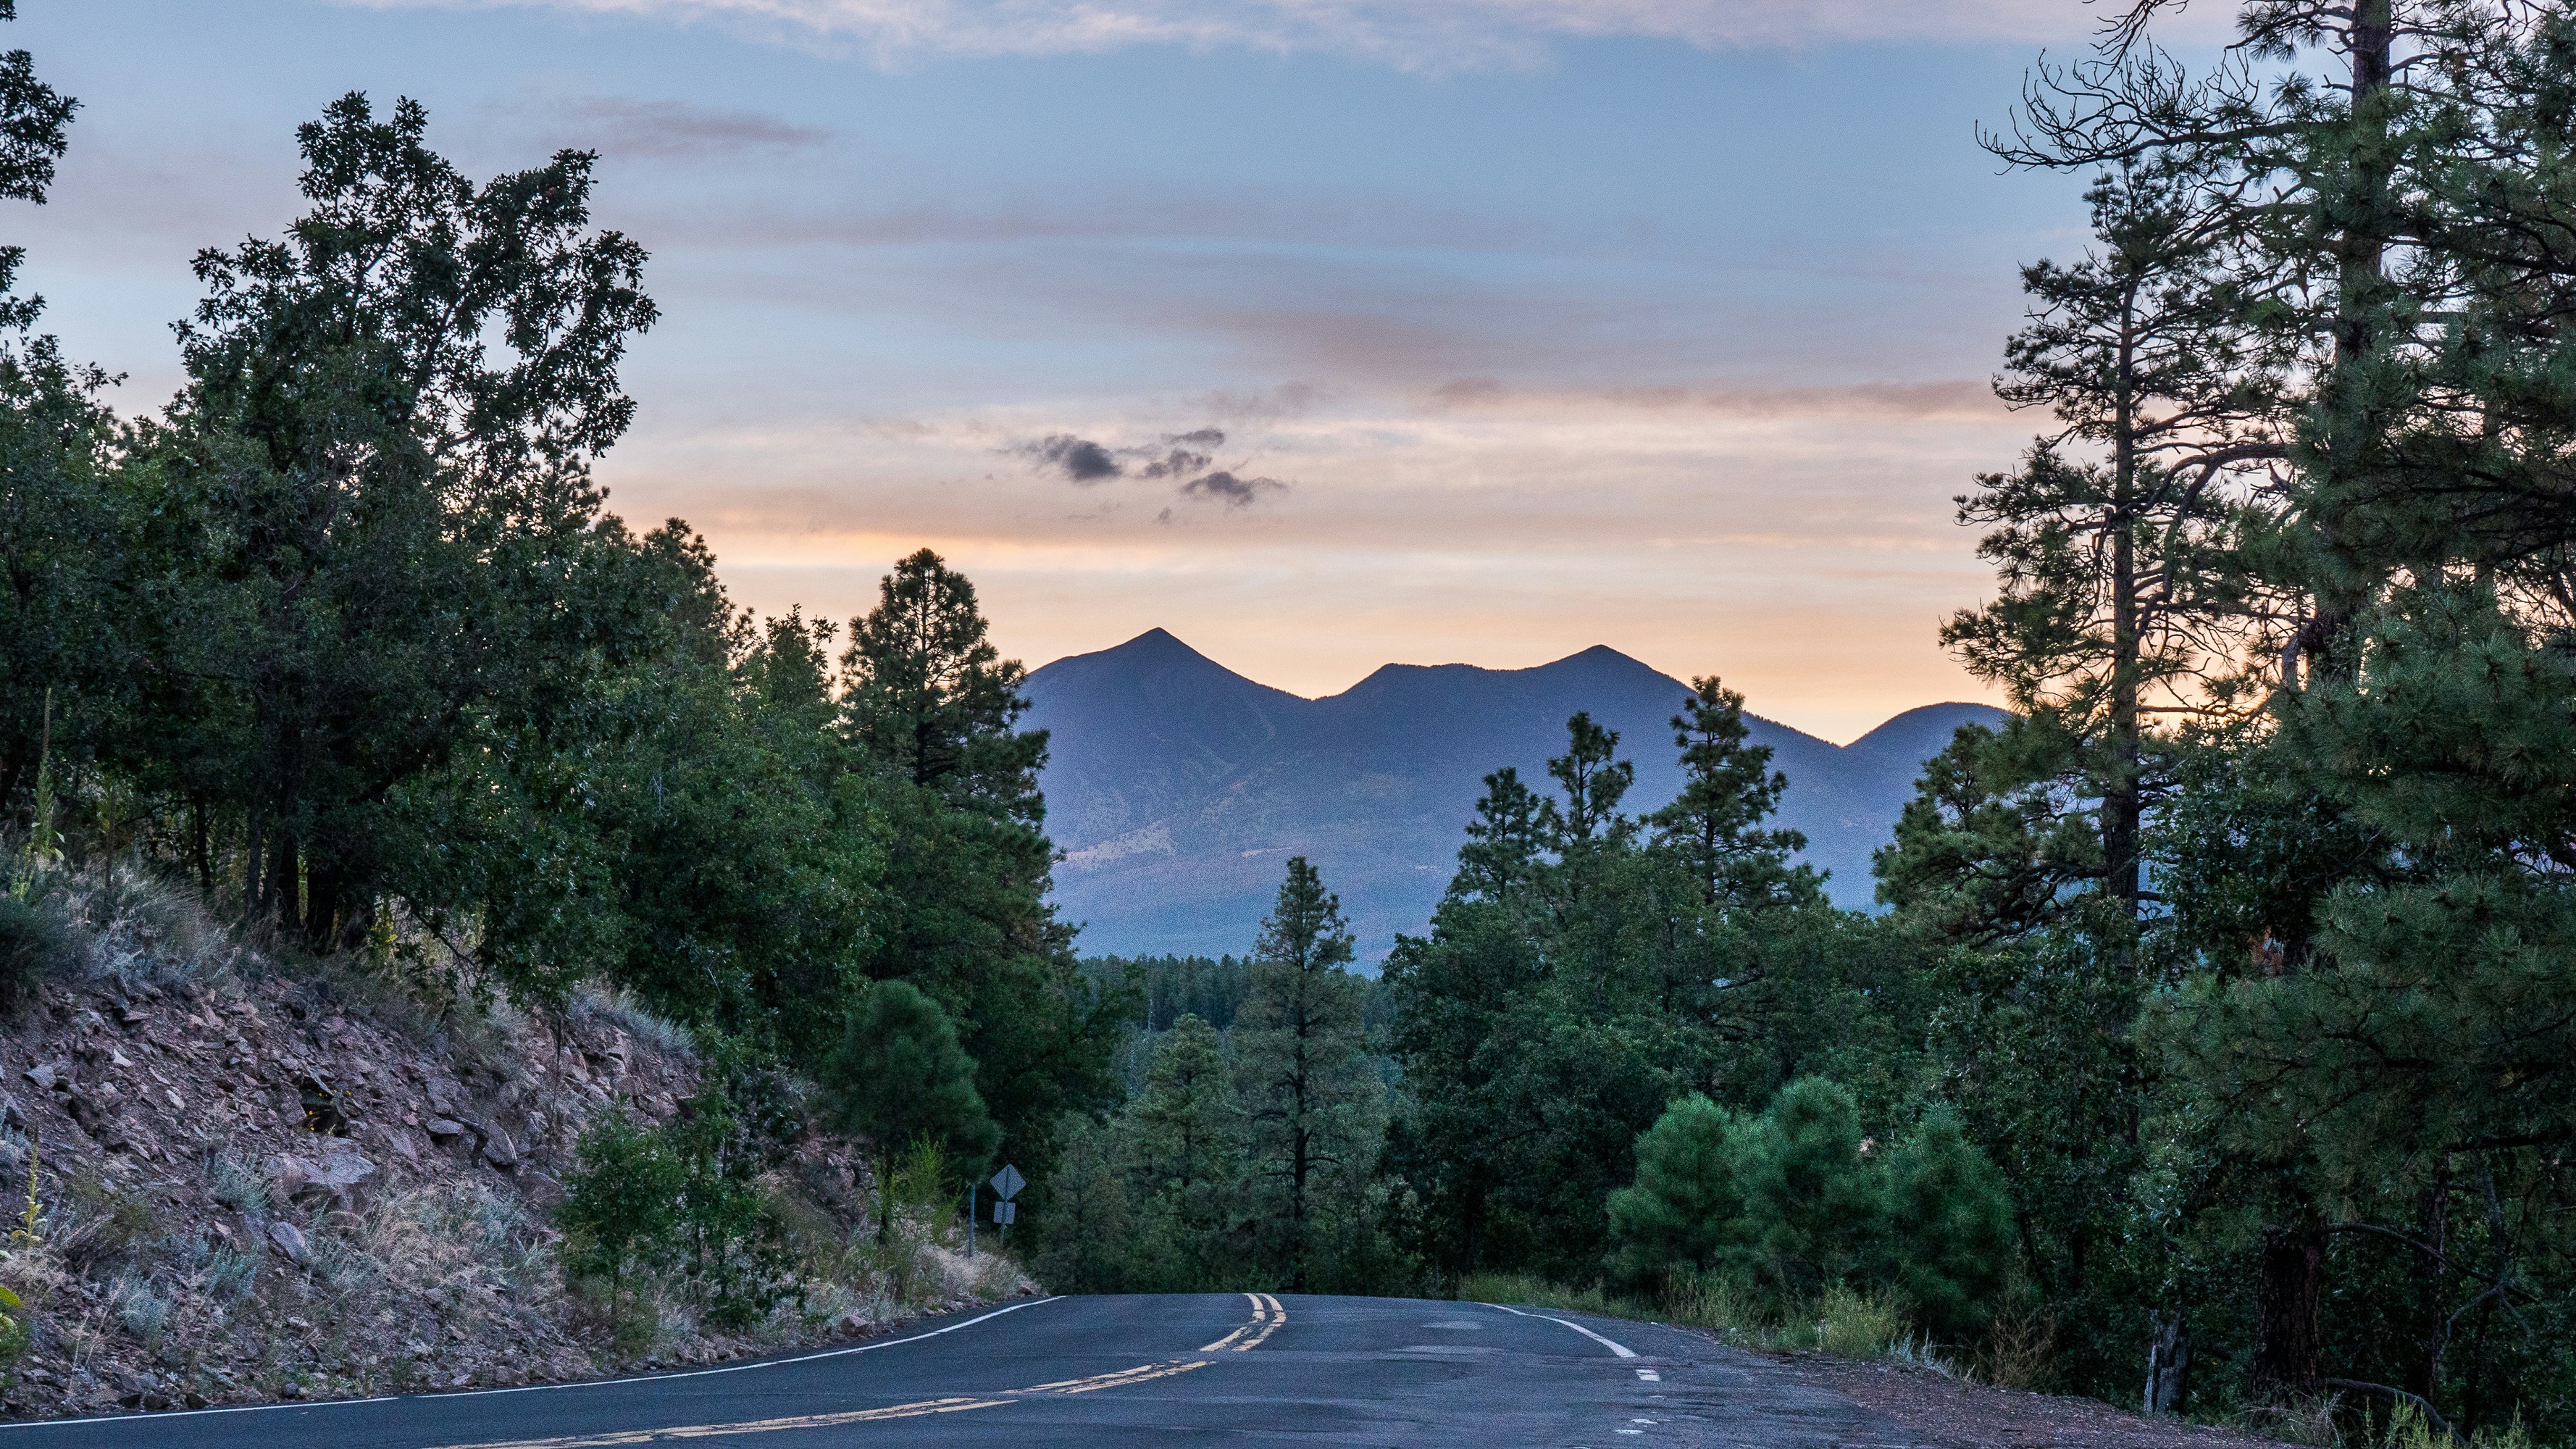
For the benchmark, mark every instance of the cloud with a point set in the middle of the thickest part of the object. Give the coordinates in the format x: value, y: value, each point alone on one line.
x: 1183, y: 454
x: 1080, y: 459
x: 1419, y: 35
x: 622, y: 126
x: 1178, y: 455
x: 1237, y: 492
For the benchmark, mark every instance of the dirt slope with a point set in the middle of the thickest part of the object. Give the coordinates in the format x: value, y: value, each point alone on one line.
x: 255, y: 1182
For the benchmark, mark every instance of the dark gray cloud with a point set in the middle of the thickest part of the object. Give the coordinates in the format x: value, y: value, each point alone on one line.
x: 1188, y: 456
x: 1183, y: 454
x: 1237, y: 492
x: 1178, y: 455
x: 1079, y: 459
x: 623, y: 126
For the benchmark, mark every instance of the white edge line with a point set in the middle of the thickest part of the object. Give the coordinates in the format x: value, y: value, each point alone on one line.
x: 1618, y: 1349
x: 166, y: 1415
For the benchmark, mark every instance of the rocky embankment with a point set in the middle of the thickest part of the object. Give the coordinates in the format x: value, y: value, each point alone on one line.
x: 251, y: 1182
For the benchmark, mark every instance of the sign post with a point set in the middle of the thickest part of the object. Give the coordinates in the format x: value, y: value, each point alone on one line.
x: 1006, y: 1185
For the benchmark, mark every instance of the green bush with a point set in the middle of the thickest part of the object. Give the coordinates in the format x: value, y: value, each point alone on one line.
x: 899, y: 1077
x: 731, y: 1243
x: 621, y: 1207
x: 1687, y: 1209
x: 1951, y: 1229
x: 1785, y: 1218
x: 1816, y: 1207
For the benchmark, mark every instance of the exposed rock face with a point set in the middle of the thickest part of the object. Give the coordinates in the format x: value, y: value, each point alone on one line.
x: 249, y: 1185
x: 252, y: 1190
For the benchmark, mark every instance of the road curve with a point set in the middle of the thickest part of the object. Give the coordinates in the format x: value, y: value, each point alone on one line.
x: 1110, y: 1371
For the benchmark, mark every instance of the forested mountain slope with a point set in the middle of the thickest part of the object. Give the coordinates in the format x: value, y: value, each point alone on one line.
x: 1178, y: 787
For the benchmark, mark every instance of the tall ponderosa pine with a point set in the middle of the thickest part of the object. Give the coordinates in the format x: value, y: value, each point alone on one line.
x: 2122, y: 595
x: 2398, y: 185
x: 931, y: 712
x: 931, y: 699
x: 1303, y: 1084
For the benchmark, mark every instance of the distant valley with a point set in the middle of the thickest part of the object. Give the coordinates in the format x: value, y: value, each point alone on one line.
x: 1178, y: 789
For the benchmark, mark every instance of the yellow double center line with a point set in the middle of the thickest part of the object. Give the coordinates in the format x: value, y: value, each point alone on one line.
x: 1267, y: 1315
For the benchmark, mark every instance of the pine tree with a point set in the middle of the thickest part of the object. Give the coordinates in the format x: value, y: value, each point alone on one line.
x: 1817, y: 1210
x: 1714, y: 826
x: 1303, y: 1086
x: 1184, y: 1144
x: 2411, y: 441
x: 899, y: 1077
x: 2121, y: 592
x: 2410, y: 1072
x: 931, y: 700
x: 931, y: 710
x: 1594, y: 780
x: 1687, y: 1208
x: 1952, y: 1235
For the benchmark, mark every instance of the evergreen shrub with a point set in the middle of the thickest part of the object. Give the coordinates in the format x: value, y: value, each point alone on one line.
x: 1795, y: 1216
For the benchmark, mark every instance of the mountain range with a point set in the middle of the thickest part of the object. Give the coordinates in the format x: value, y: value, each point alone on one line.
x: 1178, y: 789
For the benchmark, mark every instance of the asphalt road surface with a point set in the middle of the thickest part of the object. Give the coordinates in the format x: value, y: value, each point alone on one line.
x: 1114, y: 1371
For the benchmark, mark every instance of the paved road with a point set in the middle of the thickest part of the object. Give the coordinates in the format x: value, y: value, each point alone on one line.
x: 1113, y: 1371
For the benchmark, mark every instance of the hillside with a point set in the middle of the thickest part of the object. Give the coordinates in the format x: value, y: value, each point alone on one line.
x: 258, y: 1177
x: 1177, y: 787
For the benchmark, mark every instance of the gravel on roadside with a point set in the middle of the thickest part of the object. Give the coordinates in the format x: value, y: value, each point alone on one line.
x: 1980, y: 1416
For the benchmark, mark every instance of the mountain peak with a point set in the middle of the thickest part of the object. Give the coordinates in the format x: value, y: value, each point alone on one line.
x: 1177, y: 785
x: 1157, y: 653
x: 1157, y: 640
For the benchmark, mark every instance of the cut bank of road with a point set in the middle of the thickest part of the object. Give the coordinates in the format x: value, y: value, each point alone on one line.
x: 1112, y: 1371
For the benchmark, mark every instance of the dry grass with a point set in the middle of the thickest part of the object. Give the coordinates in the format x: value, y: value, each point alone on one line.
x: 1839, y: 1321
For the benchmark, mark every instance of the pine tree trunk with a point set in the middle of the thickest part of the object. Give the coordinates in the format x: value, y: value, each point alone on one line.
x: 253, y: 857
x: 2120, y: 805
x: 2432, y: 1231
x: 285, y: 903
x: 2361, y: 270
x: 321, y: 908
x: 1300, y: 1142
x: 2168, y: 1362
x: 201, y: 849
x: 2289, y: 1276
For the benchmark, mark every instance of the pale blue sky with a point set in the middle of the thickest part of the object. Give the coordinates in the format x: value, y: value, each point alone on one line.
x: 1655, y: 323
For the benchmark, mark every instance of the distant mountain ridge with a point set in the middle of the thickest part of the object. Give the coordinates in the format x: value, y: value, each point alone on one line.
x: 1178, y: 788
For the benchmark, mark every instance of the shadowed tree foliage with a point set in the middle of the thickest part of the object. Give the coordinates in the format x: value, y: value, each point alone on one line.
x: 1306, y: 1097
x: 381, y: 463
x: 897, y: 1078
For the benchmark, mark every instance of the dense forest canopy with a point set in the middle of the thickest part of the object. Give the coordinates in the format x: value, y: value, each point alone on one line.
x: 2216, y: 1045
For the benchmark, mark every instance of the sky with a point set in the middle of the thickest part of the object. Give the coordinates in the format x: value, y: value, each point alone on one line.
x: 1323, y: 333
